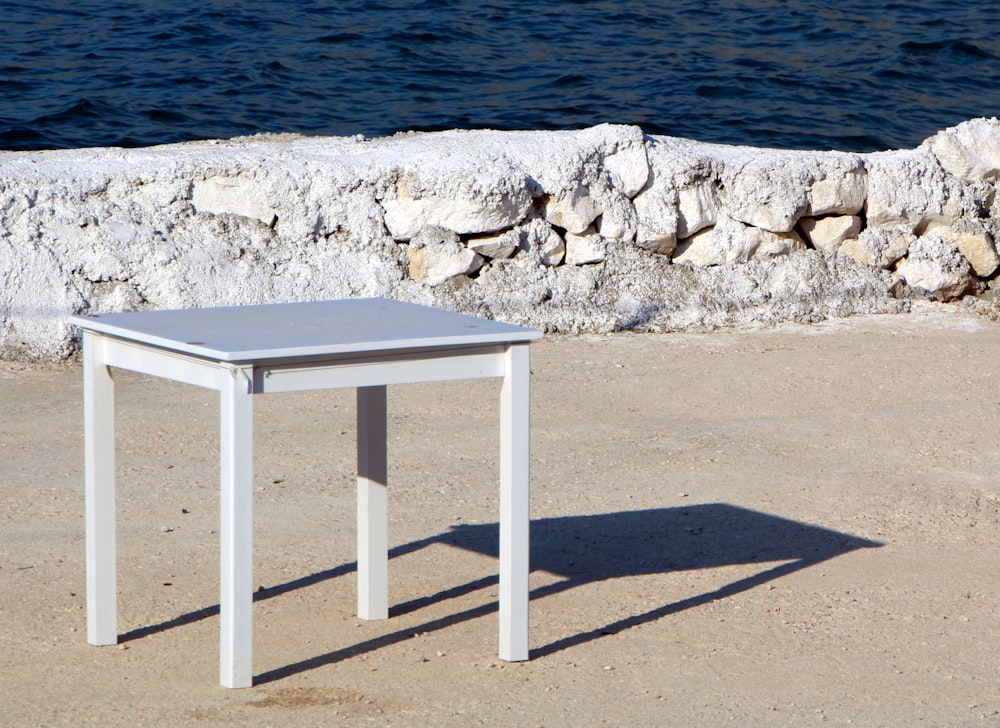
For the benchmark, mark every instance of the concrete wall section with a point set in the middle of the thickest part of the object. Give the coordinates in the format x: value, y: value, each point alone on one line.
x: 593, y: 230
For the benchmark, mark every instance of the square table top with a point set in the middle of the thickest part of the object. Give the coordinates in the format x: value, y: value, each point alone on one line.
x: 287, y: 330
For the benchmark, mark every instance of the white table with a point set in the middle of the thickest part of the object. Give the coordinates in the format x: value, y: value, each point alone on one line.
x: 247, y: 350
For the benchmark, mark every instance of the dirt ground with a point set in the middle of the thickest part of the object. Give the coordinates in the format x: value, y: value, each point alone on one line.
x: 788, y: 526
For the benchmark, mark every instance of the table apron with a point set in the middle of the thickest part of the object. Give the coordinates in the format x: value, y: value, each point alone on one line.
x: 427, y: 365
x: 398, y: 368
x: 162, y: 363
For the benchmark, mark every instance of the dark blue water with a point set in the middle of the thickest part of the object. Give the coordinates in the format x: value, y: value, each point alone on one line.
x: 853, y: 75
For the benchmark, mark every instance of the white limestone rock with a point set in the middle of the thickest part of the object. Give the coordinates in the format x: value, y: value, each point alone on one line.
x: 434, y: 264
x: 969, y: 151
x: 772, y: 189
x: 619, y: 220
x: 656, y: 230
x: 697, y: 207
x: 574, y: 210
x: 936, y: 268
x: 591, y: 176
x: 973, y: 240
x: 541, y: 243
x: 993, y: 220
x: 626, y: 162
x: 634, y: 290
x: 232, y: 195
x: 495, y: 246
x: 829, y: 233
x: 768, y: 191
x: 979, y: 249
x: 770, y: 244
x: 484, y: 181
x: 910, y: 188
x: 676, y: 164
x: 857, y: 249
x: 433, y: 235
x: 840, y: 192
x: 466, y: 181
x: 608, y: 155
x: 880, y: 247
x: 551, y: 249
x: 436, y: 254
x: 730, y: 241
x: 453, y: 202
x: 692, y: 184
x: 588, y: 247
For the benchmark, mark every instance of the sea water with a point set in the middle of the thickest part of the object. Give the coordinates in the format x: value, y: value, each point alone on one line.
x: 856, y: 75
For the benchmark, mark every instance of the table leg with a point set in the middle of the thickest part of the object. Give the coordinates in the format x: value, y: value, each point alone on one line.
x: 99, y: 437
x: 514, y: 518
x: 373, y: 539
x: 236, y: 528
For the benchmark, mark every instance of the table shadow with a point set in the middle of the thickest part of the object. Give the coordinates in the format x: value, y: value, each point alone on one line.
x: 593, y: 548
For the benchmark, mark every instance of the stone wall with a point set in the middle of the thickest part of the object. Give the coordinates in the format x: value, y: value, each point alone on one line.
x: 600, y: 229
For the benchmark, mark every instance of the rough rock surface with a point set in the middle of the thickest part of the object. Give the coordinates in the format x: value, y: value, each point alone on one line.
x: 879, y: 246
x: 829, y: 233
x: 970, y: 151
x: 436, y: 254
x: 974, y: 241
x: 590, y: 230
x: 588, y: 247
x: 730, y: 241
x: 937, y: 268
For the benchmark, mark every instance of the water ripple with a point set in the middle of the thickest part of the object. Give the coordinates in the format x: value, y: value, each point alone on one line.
x: 858, y: 75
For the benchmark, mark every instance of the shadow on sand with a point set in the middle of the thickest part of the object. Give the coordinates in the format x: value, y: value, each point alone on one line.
x: 593, y: 548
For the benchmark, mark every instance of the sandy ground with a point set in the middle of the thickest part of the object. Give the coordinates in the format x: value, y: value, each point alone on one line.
x: 777, y: 527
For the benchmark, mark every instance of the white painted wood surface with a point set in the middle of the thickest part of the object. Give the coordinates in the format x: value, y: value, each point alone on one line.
x: 99, y: 493
x: 236, y: 528
x: 373, y: 505
x: 290, y: 347
x: 514, y: 498
x: 286, y: 330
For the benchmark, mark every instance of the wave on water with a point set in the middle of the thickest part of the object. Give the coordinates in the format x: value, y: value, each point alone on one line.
x: 857, y: 76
